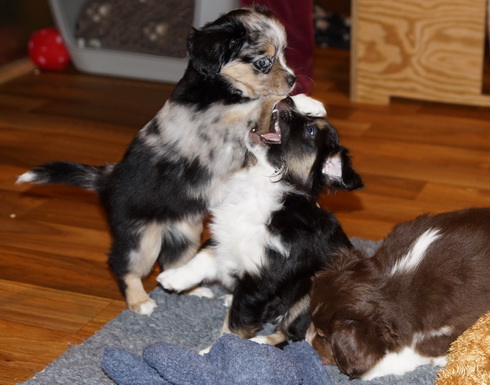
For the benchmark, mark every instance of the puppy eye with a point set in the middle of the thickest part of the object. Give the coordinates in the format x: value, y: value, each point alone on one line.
x: 263, y: 64
x: 310, y: 128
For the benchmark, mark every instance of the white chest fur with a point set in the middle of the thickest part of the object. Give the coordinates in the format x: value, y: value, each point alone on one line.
x: 240, y: 220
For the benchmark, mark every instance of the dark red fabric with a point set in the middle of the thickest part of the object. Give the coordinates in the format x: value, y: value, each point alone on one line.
x: 297, y: 17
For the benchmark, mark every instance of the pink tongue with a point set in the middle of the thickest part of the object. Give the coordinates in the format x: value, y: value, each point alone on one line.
x: 272, y: 137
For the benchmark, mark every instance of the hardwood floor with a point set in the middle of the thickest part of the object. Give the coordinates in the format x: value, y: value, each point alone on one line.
x: 55, y: 287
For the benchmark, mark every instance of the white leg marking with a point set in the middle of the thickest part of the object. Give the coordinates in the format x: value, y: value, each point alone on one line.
x: 227, y: 300
x: 309, y: 106
x: 202, y: 292
x: 142, y: 260
x: 201, y: 267
x: 263, y: 340
x: 397, y: 363
x: 27, y: 177
x: 416, y: 254
x: 147, y: 307
x: 408, y: 359
x: 205, y: 350
x: 136, y: 297
x: 271, y: 339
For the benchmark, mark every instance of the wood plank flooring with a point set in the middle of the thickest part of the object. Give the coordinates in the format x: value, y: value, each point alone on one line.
x: 55, y: 287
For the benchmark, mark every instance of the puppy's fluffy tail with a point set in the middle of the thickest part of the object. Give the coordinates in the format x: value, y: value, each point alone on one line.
x: 75, y: 174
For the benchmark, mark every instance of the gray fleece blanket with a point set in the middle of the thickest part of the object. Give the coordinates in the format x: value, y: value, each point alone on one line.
x: 182, y: 325
x: 230, y: 361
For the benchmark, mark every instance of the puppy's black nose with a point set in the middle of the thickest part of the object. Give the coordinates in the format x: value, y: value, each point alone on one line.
x: 291, y: 79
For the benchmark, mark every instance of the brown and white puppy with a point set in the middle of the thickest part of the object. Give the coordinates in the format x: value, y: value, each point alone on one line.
x: 427, y: 283
x: 156, y: 196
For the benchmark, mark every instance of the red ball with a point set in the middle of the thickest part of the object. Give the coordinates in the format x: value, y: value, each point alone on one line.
x: 47, y: 50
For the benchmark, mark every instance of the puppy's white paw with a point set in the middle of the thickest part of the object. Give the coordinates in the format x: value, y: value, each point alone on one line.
x: 176, y: 280
x: 227, y: 299
x: 144, y: 308
x: 202, y: 292
x: 309, y: 106
x: 260, y: 339
x: 205, y: 351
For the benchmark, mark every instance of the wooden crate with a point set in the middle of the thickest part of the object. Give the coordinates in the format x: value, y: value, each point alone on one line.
x: 421, y: 49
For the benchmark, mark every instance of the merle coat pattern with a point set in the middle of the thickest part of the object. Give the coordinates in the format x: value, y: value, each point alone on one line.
x: 156, y: 196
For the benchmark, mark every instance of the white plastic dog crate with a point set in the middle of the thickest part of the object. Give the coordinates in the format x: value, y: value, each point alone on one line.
x: 129, y: 64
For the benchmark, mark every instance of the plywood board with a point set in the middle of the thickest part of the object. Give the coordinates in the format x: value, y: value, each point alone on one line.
x: 420, y: 49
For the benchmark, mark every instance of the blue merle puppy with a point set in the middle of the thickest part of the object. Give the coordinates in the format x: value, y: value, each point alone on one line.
x: 156, y: 196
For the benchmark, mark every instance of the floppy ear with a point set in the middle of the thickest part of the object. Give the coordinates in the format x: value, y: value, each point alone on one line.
x: 339, y: 174
x: 358, y: 345
x: 213, y: 46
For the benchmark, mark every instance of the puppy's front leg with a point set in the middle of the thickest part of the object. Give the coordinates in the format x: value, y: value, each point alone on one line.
x: 242, y: 319
x: 200, y: 268
x: 250, y: 309
x: 243, y: 330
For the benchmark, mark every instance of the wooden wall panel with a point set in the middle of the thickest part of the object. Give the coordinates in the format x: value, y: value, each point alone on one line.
x: 421, y: 49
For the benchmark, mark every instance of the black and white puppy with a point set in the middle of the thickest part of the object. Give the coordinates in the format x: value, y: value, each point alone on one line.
x: 269, y: 236
x: 403, y: 307
x: 156, y: 196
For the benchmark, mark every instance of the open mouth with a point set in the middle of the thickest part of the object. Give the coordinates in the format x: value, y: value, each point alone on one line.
x: 273, y: 136
x: 279, y: 116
